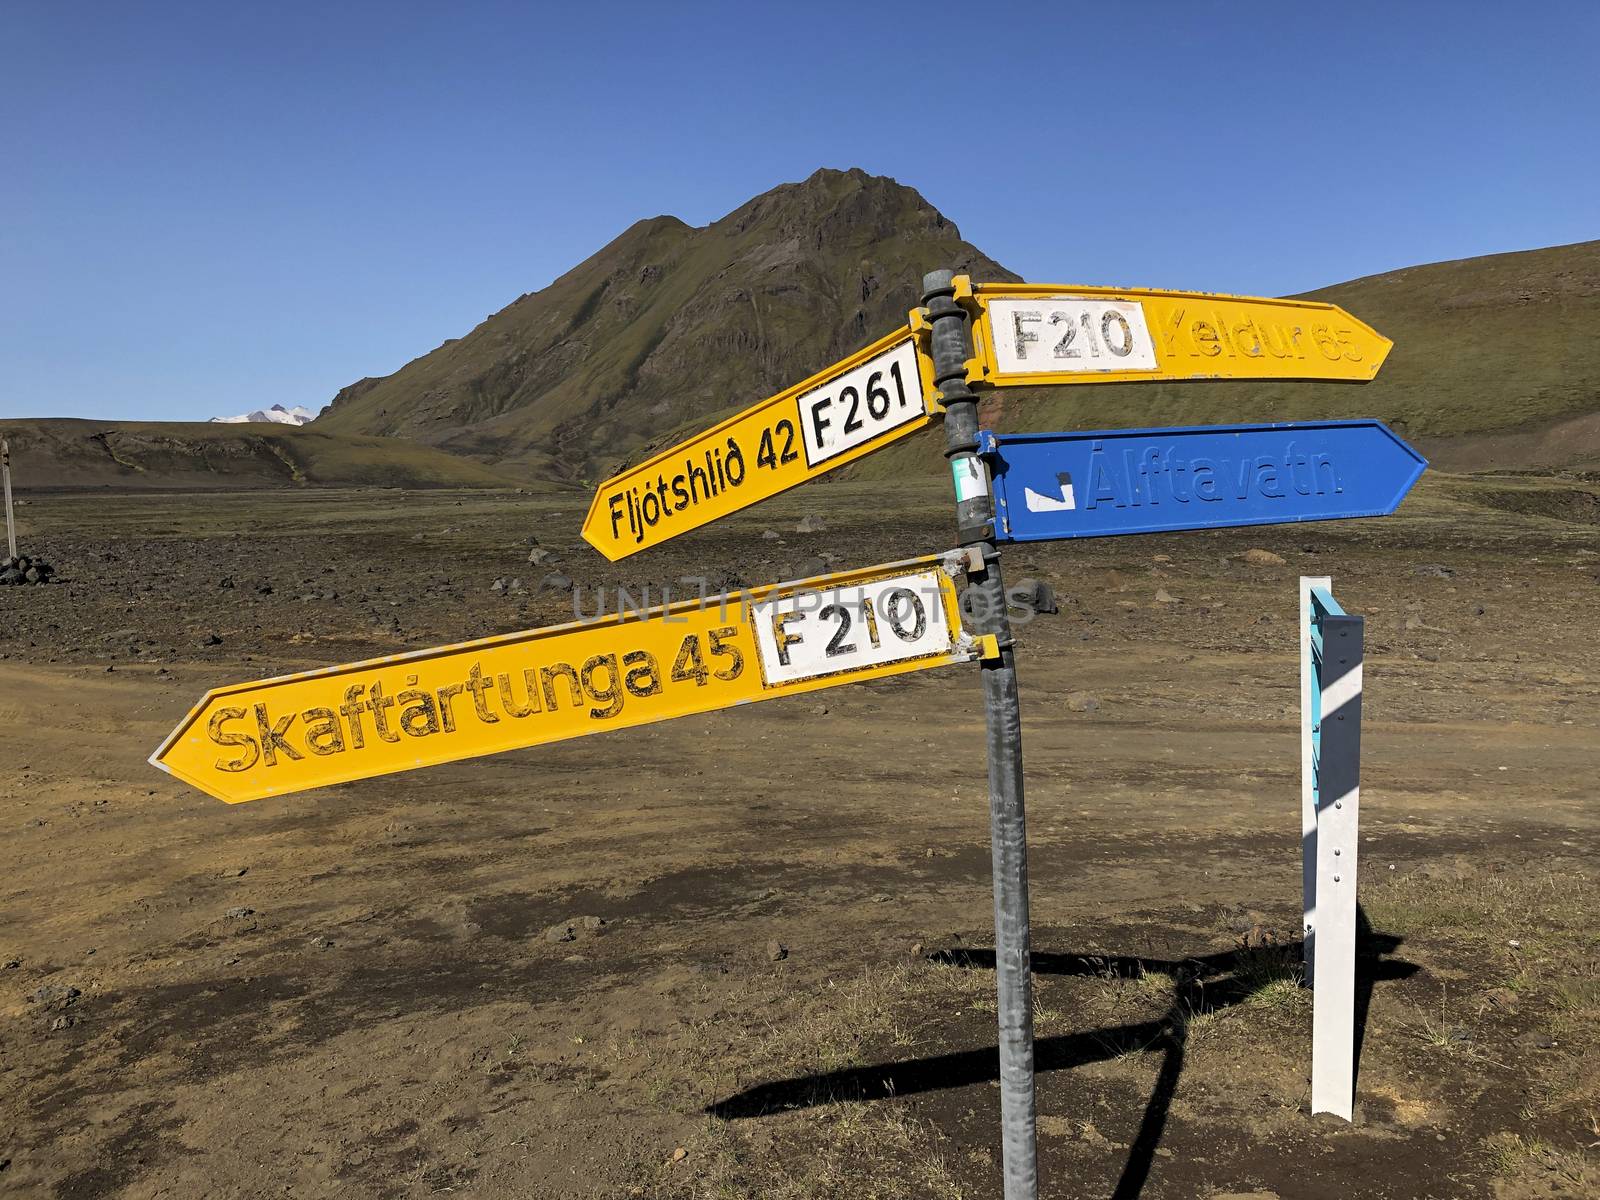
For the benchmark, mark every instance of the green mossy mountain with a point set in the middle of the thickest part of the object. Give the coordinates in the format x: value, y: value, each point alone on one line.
x: 668, y: 324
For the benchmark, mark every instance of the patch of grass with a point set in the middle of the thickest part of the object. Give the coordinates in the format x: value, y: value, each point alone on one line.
x: 1536, y: 930
x: 818, y: 1150
x: 1579, y: 997
x: 1272, y: 977
x: 1195, y: 1024
x: 1282, y: 996
x: 1533, y: 1166
x: 908, y: 1161
x: 1508, y: 1152
x: 1150, y: 986
x: 1048, y: 1019
x: 830, y: 1032
x: 1115, y: 997
x: 1524, y: 907
x: 1449, y: 1038
x: 656, y: 1089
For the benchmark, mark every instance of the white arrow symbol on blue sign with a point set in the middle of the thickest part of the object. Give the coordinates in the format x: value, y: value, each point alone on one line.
x: 1066, y: 485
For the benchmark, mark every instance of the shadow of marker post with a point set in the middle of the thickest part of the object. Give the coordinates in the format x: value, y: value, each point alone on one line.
x: 1207, y: 984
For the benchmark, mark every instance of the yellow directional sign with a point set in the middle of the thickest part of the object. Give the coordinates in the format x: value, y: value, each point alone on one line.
x: 856, y: 406
x: 329, y: 726
x: 1029, y: 334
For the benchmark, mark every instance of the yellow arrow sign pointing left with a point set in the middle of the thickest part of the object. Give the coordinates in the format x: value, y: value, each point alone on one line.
x: 370, y: 718
x: 856, y: 406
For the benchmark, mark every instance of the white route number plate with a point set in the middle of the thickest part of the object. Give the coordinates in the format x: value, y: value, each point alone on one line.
x: 814, y: 633
x: 1065, y: 334
x: 881, y: 394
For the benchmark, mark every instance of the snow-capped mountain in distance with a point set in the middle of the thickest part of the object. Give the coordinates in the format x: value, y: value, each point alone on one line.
x: 276, y: 415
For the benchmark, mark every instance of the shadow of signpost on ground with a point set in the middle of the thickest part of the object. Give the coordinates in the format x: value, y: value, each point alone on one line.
x: 1372, y: 965
x: 1206, y: 984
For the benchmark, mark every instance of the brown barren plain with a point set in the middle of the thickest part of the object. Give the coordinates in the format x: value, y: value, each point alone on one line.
x: 354, y: 992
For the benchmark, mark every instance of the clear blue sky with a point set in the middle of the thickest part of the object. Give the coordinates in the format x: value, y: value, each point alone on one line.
x: 214, y: 207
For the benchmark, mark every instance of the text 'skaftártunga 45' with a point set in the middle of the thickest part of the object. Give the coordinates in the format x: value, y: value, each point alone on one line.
x: 415, y: 710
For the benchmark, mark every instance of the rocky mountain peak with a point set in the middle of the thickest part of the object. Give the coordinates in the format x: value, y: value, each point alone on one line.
x: 669, y: 324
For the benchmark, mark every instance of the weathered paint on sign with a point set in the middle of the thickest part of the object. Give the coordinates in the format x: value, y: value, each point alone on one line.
x: 278, y: 736
x: 1049, y: 486
x: 856, y: 406
x: 1031, y: 334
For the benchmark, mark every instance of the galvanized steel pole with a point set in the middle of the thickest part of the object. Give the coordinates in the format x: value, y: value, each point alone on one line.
x: 951, y: 348
x: 5, y: 471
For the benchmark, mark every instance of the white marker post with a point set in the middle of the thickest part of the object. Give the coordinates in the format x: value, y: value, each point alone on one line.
x: 5, y: 473
x: 1331, y: 644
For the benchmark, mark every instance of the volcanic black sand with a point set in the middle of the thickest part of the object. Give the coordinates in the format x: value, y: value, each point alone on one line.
x: 389, y: 988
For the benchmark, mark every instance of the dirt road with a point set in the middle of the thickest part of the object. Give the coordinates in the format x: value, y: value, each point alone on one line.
x: 389, y: 988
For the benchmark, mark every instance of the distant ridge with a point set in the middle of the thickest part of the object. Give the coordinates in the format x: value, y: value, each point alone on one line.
x: 65, y: 452
x: 1496, y: 365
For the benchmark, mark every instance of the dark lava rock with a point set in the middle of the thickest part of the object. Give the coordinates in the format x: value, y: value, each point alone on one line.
x: 22, y: 570
x: 55, y: 995
x: 1034, y: 595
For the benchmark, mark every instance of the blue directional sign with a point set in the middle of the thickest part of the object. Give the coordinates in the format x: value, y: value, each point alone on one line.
x: 1069, y: 485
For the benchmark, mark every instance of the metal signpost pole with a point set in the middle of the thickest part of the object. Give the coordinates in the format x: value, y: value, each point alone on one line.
x: 11, y: 523
x: 951, y: 345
